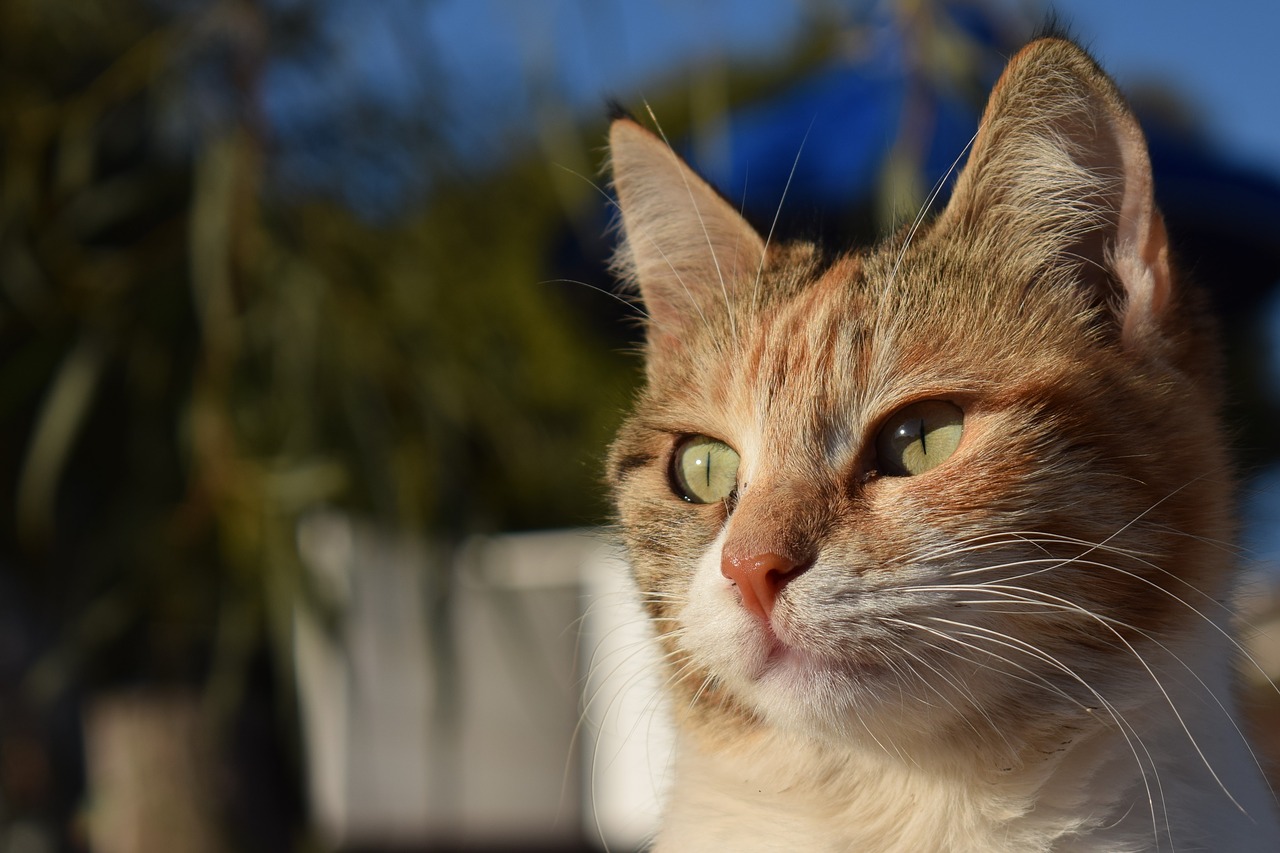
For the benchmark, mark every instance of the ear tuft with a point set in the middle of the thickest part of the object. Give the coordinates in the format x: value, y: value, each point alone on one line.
x: 618, y: 111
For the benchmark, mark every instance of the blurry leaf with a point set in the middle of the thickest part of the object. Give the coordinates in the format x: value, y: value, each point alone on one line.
x: 298, y: 488
x: 210, y: 223
x: 59, y: 421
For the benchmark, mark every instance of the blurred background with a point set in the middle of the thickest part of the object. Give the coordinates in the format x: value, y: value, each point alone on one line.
x: 309, y: 358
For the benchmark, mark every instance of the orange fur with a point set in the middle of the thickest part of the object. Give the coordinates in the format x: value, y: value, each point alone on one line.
x: 988, y: 622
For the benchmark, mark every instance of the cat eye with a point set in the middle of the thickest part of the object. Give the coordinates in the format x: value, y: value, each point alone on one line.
x: 919, y: 437
x: 704, y: 470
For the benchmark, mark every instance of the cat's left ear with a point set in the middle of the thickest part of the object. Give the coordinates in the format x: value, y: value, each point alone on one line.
x: 1059, y: 176
x: 691, y: 254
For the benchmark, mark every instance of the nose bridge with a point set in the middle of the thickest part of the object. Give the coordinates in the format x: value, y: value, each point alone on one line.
x: 780, y: 515
x: 773, y: 538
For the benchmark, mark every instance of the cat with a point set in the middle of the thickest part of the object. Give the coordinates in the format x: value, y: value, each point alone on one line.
x: 934, y: 537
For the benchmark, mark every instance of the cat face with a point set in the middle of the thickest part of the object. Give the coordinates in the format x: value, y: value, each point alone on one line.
x: 921, y: 489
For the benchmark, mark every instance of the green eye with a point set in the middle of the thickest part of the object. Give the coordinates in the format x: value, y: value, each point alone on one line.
x: 704, y: 470
x: 919, y: 437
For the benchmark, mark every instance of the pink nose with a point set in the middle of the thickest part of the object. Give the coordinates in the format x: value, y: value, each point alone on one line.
x: 760, y: 578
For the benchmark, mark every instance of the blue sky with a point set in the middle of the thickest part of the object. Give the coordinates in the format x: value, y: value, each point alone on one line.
x: 1221, y: 55
x: 468, y: 70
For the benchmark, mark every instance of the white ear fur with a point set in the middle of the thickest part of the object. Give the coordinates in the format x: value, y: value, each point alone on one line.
x: 1060, y: 163
x: 691, y: 254
x: 1141, y: 259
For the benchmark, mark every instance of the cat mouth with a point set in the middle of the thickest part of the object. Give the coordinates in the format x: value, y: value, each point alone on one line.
x: 783, y: 656
x: 771, y: 650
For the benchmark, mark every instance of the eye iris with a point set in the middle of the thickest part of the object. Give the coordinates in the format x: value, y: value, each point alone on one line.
x: 705, y: 470
x: 920, y: 437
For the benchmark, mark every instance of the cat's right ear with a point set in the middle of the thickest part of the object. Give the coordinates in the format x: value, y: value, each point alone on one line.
x: 693, y: 257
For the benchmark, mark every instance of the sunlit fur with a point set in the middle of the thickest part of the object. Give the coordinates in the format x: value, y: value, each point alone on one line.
x: 1027, y: 648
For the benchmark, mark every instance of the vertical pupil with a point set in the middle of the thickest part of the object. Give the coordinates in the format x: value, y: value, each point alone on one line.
x: 707, y: 463
x: 919, y: 437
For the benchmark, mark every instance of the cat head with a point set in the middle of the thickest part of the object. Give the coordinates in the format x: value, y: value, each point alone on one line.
x: 970, y: 471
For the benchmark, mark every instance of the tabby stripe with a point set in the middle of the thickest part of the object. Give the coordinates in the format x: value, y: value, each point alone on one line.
x: 624, y: 466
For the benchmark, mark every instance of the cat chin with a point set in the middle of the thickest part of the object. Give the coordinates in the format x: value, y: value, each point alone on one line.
x: 799, y: 692
x: 843, y: 700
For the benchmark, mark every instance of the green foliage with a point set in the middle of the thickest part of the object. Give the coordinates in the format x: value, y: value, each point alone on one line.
x: 191, y: 366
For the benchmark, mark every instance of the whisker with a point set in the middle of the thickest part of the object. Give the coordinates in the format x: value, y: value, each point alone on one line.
x: 768, y: 240
x: 1111, y: 625
x: 959, y: 688
x: 1239, y: 647
x: 928, y: 203
x: 1127, y: 730
x: 631, y: 304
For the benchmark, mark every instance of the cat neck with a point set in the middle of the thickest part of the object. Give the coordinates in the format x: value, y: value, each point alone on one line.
x: 1105, y: 788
